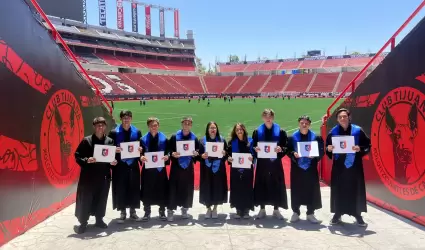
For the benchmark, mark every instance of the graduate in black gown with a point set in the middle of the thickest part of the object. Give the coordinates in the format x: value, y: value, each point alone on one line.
x: 154, y: 181
x: 126, y: 174
x: 241, y: 180
x: 95, y: 178
x: 348, y: 191
x: 269, y: 187
x: 213, y: 177
x: 182, y: 171
x: 305, y: 185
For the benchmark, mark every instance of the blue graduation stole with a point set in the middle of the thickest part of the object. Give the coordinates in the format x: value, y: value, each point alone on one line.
x: 120, y: 138
x: 261, y: 133
x: 162, y: 143
x: 235, y: 148
x: 355, y: 131
x: 215, y: 163
x: 303, y: 162
x: 184, y: 161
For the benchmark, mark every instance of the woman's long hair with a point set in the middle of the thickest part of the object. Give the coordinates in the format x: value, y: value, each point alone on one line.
x: 207, y: 134
x: 233, y: 134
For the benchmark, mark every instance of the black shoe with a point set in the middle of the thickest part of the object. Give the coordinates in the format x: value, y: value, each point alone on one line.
x: 134, y: 217
x: 100, y: 224
x: 360, y: 222
x: 82, y: 229
x: 162, y: 215
x: 147, y: 216
x: 122, y: 218
x: 335, y: 220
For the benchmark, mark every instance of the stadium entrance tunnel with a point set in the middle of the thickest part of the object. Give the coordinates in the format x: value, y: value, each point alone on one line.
x: 46, y: 110
x: 390, y: 106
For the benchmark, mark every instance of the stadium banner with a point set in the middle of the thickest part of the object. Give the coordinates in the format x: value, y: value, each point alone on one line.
x: 120, y: 15
x: 102, y: 13
x: 176, y: 24
x: 161, y: 23
x: 134, y: 20
x: 148, y: 20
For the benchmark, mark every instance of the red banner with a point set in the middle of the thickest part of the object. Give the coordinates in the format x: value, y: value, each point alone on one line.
x: 176, y: 24
x: 161, y: 23
x: 148, y: 20
x: 120, y: 15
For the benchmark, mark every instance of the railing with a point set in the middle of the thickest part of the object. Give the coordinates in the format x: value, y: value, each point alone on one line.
x: 390, y: 41
x: 57, y: 36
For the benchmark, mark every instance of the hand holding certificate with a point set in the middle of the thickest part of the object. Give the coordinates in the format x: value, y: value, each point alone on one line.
x: 343, y: 144
x: 308, y: 149
x: 104, y: 153
x: 214, y: 149
x: 267, y: 150
x: 185, y: 148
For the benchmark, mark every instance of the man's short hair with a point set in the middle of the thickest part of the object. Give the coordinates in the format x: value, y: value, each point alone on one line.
x: 342, y: 110
x: 268, y: 112
x: 126, y: 113
x: 304, y: 117
x: 99, y: 120
x: 152, y: 119
x: 187, y: 118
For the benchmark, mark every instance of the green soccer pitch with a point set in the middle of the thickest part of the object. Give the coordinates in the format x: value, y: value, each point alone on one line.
x: 170, y: 112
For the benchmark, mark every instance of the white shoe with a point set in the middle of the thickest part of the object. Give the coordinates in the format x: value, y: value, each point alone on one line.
x: 313, y: 219
x: 214, y: 214
x: 262, y: 214
x: 170, y: 215
x: 208, y: 214
x: 185, y: 215
x: 295, y: 217
x: 277, y: 215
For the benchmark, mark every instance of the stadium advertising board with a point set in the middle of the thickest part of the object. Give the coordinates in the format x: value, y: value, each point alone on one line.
x: 120, y: 15
x: 134, y: 22
x: 102, y: 12
x: 63, y: 8
x: 148, y: 20
x: 176, y: 24
x: 161, y: 23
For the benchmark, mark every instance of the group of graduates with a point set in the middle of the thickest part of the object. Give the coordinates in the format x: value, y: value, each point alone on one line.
x: 152, y: 186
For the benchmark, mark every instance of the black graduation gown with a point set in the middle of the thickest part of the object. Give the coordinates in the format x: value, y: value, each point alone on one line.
x: 125, y: 178
x: 241, y: 183
x: 269, y: 187
x: 181, y: 180
x: 348, y: 191
x: 305, y: 185
x: 94, y: 182
x: 213, y: 186
x: 154, y: 184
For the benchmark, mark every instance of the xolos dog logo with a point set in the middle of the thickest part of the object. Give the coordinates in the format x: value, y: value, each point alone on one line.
x: 342, y: 144
x: 154, y: 158
x: 62, y: 129
x: 267, y: 149
x: 308, y: 148
x: 214, y: 148
x: 105, y: 152
x: 130, y: 148
x: 186, y: 146
x: 397, y: 144
x: 241, y: 160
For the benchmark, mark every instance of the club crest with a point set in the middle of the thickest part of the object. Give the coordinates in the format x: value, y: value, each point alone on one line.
x: 214, y: 148
x: 343, y: 144
x: 105, y: 152
x: 186, y: 146
x: 154, y: 158
x: 130, y: 148
x: 267, y: 149
x: 308, y: 148
x: 241, y: 160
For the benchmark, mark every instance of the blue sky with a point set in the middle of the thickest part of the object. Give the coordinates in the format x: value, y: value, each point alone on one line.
x: 273, y: 28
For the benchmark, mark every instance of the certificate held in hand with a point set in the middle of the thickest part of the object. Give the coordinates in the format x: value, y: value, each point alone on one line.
x: 267, y: 150
x: 308, y: 149
x: 343, y: 144
x: 154, y: 159
x: 240, y: 160
x: 130, y: 150
x: 185, y: 148
x: 104, y: 153
x: 215, y: 149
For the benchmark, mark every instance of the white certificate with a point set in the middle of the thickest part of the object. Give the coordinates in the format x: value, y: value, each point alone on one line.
x: 343, y: 144
x: 214, y: 149
x: 267, y: 150
x: 104, y: 153
x: 185, y: 148
x: 130, y: 150
x: 154, y: 159
x: 240, y: 160
x: 308, y: 149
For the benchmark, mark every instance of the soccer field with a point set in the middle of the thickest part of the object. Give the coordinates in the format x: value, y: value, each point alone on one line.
x: 225, y: 114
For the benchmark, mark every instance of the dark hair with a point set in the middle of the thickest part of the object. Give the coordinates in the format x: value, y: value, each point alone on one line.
x: 233, y: 133
x: 342, y: 110
x: 99, y: 120
x: 187, y: 118
x: 304, y: 117
x: 152, y: 119
x: 125, y: 113
x: 208, y: 127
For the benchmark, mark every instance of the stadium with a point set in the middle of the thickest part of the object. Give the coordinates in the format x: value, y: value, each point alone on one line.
x: 82, y: 71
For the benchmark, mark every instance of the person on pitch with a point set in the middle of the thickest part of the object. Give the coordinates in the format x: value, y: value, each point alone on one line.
x: 181, y: 180
x: 213, y: 178
x: 126, y: 174
x: 95, y: 178
x: 305, y: 186
x: 241, y: 179
x: 348, y: 191
x: 269, y: 187
x: 154, y: 181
